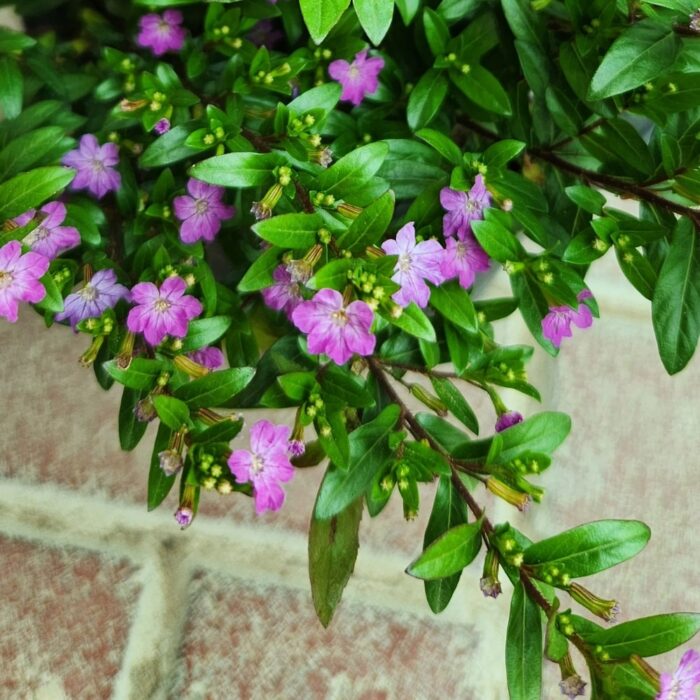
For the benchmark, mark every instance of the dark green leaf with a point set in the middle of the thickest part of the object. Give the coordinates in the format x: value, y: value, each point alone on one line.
x: 524, y: 647
x: 455, y: 304
x: 141, y: 373
x: 31, y: 189
x: 456, y: 403
x: 216, y: 388
x: 204, y: 331
x: 159, y: 484
x: 173, y: 412
x: 370, y: 225
x: 131, y: 430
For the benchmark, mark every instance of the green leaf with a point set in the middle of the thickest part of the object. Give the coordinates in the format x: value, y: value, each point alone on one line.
x: 370, y: 225
x: 448, y: 554
x: 483, y: 89
x: 223, y: 431
x: 524, y: 647
x: 340, y: 386
x: 173, y: 412
x: 375, y: 17
x: 541, y: 433
x: 31, y: 189
x: 321, y: 16
x: 29, y: 149
x: 237, y: 169
x: 498, y: 241
x: 140, y: 374
x: 414, y: 321
x: 204, y: 331
x: 168, y: 148
x: 216, y: 388
x: 588, y: 199
x: 647, y: 636
x: 640, y: 54
x: 448, y: 511
x: 334, y: 275
x: 444, y: 145
x: 436, y: 31
x: 369, y: 452
x: 333, y: 546
x: 324, y: 97
x: 455, y: 304
x: 590, y: 548
x: 159, y: 484
x: 259, y: 274
x: 53, y: 300
x: 11, y: 88
x: 292, y: 231
x: 11, y: 40
x: 426, y: 98
x: 676, y: 303
x: 356, y: 167
x: 131, y: 429
x: 499, y: 154
x: 453, y: 399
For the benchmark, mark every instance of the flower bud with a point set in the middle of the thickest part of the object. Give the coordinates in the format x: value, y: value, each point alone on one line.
x: 605, y: 609
x: 489, y: 584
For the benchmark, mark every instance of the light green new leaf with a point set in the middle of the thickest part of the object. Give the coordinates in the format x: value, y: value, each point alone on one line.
x: 321, y: 16
x: 375, y: 17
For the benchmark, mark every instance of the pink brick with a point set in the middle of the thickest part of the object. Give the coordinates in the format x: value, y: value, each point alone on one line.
x: 67, y: 614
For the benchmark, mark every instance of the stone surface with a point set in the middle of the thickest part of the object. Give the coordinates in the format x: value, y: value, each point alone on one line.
x: 65, y: 616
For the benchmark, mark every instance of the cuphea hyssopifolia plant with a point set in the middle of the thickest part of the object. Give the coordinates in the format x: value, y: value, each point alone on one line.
x: 305, y: 194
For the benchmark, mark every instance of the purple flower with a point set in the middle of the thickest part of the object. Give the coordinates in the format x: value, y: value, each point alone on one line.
x: 49, y: 238
x: 359, y: 78
x: 161, y: 34
x: 95, y: 166
x: 681, y: 684
x: 463, y: 258
x: 102, y: 292
x: 201, y: 212
x: 184, y: 516
x: 209, y: 357
x: 161, y: 312
x: 417, y: 262
x: 296, y: 448
x: 19, y: 278
x: 162, y: 126
x: 285, y: 294
x: 556, y: 325
x: 463, y: 207
x: 337, y: 330
x: 265, y: 465
x: 508, y: 420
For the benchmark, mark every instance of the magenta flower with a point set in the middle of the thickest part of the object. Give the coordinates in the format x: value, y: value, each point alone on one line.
x: 201, y: 212
x: 556, y: 325
x: 19, y: 278
x: 507, y: 420
x: 463, y: 258
x: 335, y: 329
x: 463, y: 207
x: 162, y: 126
x: 210, y: 357
x: 95, y: 166
x: 49, y: 238
x: 161, y: 34
x: 265, y: 465
x: 417, y: 263
x: 161, y: 312
x: 681, y: 684
x: 285, y: 294
x: 359, y: 78
x: 102, y: 292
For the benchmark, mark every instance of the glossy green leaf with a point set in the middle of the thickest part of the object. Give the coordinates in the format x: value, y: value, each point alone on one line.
x: 159, y: 484
x: 414, y: 321
x: 216, y: 388
x: 321, y: 16
x: 31, y: 189
x: 590, y: 548
x: 131, y: 430
x: 173, y: 412
x: 455, y: 304
x: 448, y: 554
x: 140, y: 374
x: 292, y: 231
x: 375, y: 17
x: 11, y: 88
x: 205, y: 331
x: 483, y: 88
x: 238, y: 169
x: 456, y: 403
x: 356, y: 167
x: 426, y: 98
x: 524, y: 647
x: 370, y: 225
x: 333, y: 547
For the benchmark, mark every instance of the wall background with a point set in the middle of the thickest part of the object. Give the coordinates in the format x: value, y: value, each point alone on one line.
x: 100, y: 599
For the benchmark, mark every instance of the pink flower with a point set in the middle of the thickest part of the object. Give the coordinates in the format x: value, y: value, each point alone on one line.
x: 556, y: 325
x: 161, y: 312
x: 102, y: 292
x: 285, y: 294
x: 19, y: 278
x: 162, y: 126
x: 508, y: 420
x: 49, y: 238
x: 681, y: 684
x: 463, y: 207
x: 359, y: 78
x: 209, y: 357
x: 161, y: 34
x: 95, y: 166
x: 201, y: 212
x: 417, y: 262
x: 337, y: 330
x: 265, y: 465
x: 463, y: 258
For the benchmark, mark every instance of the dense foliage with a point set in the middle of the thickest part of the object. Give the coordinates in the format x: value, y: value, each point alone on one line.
x: 306, y: 192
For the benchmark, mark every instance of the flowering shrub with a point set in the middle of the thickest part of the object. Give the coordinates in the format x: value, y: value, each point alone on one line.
x: 287, y: 204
